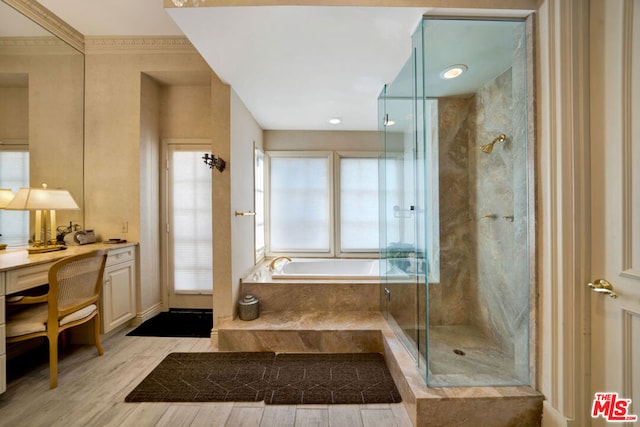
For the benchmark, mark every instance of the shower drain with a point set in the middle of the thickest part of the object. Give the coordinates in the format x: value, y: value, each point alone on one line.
x: 459, y: 352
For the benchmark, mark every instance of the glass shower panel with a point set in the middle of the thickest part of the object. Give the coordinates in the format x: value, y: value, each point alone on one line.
x: 455, y: 212
x: 399, y: 208
x: 478, y: 308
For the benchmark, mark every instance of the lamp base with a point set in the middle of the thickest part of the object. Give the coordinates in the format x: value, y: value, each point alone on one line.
x: 43, y: 249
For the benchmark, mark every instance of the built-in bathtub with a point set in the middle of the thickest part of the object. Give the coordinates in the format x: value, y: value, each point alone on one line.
x: 346, y: 284
x: 328, y: 269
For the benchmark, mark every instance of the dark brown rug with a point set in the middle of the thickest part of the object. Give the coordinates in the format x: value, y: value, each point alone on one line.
x: 277, y: 379
x: 177, y: 323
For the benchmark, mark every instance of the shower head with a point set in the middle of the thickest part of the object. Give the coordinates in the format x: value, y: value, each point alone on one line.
x: 488, y: 148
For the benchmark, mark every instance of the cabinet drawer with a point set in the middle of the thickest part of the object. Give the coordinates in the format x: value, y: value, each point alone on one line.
x: 26, y: 278
x: 2, y: 308
x: 3, y: 335
x: 1, y: 283
x: 116, y: 256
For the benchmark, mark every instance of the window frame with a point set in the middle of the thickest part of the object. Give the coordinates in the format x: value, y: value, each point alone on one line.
x: 339, y: 155
x: 299, y: 154
x: 333, y: 176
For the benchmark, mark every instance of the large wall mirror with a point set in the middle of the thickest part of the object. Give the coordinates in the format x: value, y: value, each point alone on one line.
x: 41, y: 113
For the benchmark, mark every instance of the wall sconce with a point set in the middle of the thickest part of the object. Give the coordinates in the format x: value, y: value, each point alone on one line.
x: 214, y: 161
x: 44, y: 202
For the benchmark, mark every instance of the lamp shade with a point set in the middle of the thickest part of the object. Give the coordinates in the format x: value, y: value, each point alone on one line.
x: 31, y: 199
x: 5, y: 197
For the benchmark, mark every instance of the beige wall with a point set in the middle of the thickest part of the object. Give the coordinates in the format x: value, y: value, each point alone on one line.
x: 123, y: 128
x: 186, y: 109
x: 223, y: 285
x: 246, y: 134
x: 275, y: 140
x: 14, y: 113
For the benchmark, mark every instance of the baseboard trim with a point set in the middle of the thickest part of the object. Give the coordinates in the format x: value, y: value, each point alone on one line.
x: 147, y: 314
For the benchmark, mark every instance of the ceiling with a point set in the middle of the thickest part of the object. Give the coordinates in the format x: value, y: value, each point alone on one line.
x: 294, y: 67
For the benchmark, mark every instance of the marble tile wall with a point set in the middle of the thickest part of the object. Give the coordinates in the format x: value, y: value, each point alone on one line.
x: 501, y: 189
x: 449, y: 300
x: 484, y: 214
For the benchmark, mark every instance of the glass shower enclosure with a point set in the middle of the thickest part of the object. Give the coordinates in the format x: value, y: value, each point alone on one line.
x: 456, y: 202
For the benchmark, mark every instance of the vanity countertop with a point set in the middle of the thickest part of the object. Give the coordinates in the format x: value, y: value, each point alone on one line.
x: 16, y: 258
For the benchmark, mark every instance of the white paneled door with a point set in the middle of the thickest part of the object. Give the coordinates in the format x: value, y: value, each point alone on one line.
x: 188, y: 225
x: 615, y: 213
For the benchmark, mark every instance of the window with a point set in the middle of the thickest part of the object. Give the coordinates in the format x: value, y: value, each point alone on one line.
x: 358, y: 190
x: 302, y: 196
x: 300, y: 202
x: 14, y: 174
x: 259, y: 204
x: 190, y: 220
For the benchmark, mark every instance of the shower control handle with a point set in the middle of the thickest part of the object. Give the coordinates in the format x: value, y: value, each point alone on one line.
x: 603, y: 287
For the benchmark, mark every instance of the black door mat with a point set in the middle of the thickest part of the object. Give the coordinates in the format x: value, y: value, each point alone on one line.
x: 285, y: 379
x: 179, y: 323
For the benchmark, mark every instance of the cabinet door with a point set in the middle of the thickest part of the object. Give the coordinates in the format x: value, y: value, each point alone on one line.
x: 118, y: 296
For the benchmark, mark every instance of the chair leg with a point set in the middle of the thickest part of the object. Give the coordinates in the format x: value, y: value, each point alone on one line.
x: 53, y: 361
x: 96, y: 333
x: 62, y: 346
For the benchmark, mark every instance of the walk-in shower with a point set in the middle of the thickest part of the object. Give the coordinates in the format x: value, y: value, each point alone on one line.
x: 457, y: 201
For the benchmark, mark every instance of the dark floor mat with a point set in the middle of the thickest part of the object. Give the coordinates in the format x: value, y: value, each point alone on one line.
x: 287, y: 379
x: 191, y: 323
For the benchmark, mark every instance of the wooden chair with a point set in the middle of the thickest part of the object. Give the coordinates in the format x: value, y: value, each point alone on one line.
x: 72, y: 299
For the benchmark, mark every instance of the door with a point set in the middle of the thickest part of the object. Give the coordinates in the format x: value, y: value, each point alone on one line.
x: 188, y: 225
x: 615, y: 221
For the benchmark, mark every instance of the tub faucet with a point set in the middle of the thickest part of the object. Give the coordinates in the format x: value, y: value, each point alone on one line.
x: 272, y: 264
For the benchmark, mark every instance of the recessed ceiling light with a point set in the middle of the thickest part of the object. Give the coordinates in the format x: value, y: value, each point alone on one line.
x: 335, y: 120
x: 453, y: 71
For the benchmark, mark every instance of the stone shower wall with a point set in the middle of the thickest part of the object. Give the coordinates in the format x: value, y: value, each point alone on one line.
x: 483, y: 215
x: 502, y: 189
x: 492, y: 211
x: 450, y: 299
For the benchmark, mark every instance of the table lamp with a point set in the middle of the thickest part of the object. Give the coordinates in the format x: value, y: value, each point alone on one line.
x: 44, y: 202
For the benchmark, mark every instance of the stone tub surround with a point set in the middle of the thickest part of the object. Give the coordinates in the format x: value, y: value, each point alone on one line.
x: 303, y: 332
x: 355, y: 331
x: 310, y: 295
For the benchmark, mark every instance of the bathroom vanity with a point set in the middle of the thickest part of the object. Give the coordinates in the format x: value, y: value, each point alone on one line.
x: 20, y: 271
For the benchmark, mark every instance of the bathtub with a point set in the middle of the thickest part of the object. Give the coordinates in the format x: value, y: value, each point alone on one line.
x: 328, y: 269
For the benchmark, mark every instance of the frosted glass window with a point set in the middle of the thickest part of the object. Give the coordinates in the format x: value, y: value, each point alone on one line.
x: 359, y: 227
x: 191, y: 223
x: 14, y: 174
x: 259, y: 204
x: 300, y: 204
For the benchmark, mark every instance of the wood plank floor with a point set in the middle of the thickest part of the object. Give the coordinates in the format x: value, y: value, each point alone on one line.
x: 91, y: 391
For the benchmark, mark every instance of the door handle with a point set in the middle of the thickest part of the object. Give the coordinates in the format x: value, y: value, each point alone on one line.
x: 603, y: 287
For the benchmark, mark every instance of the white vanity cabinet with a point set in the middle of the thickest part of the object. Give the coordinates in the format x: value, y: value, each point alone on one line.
x: 118, y: 298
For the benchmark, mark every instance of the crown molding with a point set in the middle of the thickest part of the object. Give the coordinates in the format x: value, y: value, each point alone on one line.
x: 49, y: 21
x: 34, y: 45
x: 141, y: 44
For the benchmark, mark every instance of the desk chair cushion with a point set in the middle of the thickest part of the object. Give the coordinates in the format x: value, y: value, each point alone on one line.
x: 34, y: 319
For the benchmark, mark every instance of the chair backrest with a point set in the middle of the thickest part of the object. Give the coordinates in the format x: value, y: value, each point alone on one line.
x: 75, y: 281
